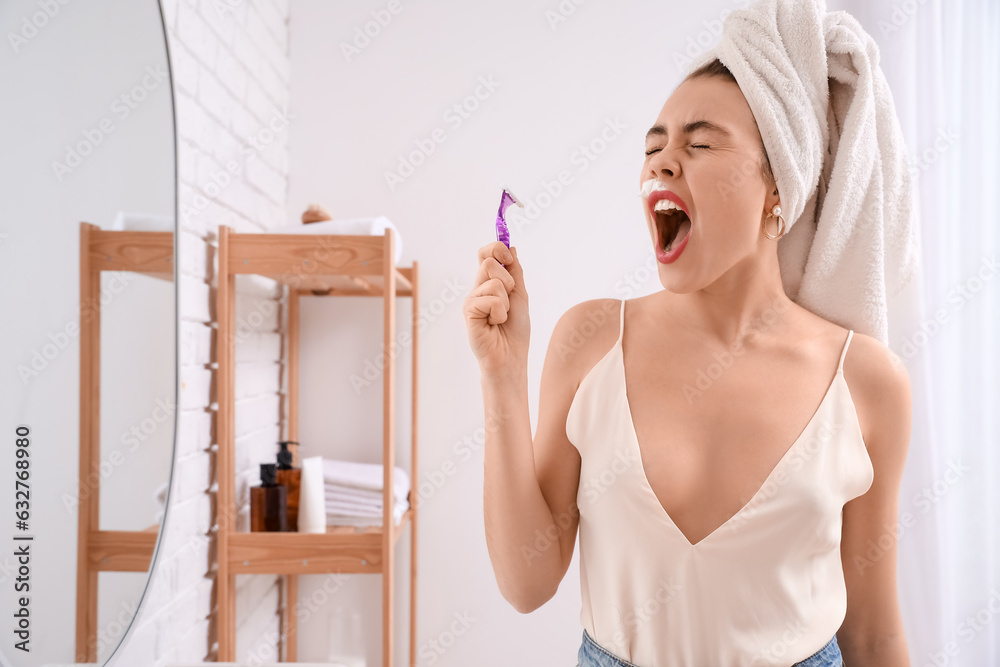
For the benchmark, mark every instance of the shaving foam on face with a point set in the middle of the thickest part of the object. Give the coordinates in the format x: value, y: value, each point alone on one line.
x: 649, y: 186
x: 506, y: 199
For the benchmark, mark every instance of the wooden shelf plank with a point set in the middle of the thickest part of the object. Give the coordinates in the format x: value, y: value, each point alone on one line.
x: 345, y: 549
x: 121, y: 550
x: 323, y: 285
x: 331, y: 264
x: 150, y: 253
x: 287, y: 257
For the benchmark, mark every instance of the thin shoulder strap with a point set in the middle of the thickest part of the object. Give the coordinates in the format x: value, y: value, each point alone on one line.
x: 843, y: 353
x: 621, y: 325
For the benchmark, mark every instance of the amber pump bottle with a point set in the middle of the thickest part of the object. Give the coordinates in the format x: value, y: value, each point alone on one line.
x: 291, y: 479
x: 268, y: 511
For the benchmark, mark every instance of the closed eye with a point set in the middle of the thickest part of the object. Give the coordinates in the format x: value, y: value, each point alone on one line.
x: 655, y: 150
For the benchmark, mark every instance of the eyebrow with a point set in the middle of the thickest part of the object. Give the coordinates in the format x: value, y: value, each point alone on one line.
x: 659, y: 130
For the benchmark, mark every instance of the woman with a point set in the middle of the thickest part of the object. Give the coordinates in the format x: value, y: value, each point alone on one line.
x: 735, y: 504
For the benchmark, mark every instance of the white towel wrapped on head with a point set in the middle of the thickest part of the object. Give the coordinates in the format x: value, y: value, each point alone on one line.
x: 829, y: 126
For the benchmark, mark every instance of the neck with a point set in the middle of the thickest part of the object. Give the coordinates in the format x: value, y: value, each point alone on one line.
x: 747, y: 300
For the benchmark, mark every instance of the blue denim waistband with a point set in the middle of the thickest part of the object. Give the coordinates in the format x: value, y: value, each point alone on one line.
x: 592, y: 654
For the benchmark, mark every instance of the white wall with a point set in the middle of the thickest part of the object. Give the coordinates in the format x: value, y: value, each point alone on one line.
x: 230, y: 78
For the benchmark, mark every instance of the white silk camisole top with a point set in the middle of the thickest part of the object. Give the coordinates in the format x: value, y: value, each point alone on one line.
x: 766, y: 588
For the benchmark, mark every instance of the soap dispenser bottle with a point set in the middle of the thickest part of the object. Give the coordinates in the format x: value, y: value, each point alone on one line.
x: 291, y: 479
x: 268, y: 511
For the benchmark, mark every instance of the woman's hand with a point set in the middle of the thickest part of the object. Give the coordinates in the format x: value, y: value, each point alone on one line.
x: 496, y: 312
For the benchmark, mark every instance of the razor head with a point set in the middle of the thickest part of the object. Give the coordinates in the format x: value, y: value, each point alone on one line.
x: 512, y: 196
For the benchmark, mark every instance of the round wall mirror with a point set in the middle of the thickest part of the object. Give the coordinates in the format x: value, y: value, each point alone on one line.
x: 88, y: 291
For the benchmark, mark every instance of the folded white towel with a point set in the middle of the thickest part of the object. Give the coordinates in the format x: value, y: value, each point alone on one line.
x: 351, y: 506
x: 340, y: 492
x: 827, y: 118
x: 354, y: 226
x: 364, y: 518
x: 363, y: 476
x: 142, y: 222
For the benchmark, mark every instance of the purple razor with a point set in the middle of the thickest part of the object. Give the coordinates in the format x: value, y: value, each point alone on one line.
x: 506, y: 199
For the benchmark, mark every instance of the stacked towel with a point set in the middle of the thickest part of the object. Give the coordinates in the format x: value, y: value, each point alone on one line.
x: 827, y: 118
x: 353, y: 492
x: 354, y: 226
x: 142, y: 222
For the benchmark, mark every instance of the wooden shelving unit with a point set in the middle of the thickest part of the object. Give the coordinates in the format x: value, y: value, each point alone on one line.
x: 311, y: 265
x: 152, y: 254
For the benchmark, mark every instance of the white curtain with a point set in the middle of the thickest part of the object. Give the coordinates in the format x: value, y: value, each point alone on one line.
x: 942, y: 61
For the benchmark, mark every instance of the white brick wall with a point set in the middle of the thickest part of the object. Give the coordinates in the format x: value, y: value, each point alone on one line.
x: 230, y: 66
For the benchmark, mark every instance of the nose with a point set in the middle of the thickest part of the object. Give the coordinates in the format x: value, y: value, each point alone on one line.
x: 663, y: 163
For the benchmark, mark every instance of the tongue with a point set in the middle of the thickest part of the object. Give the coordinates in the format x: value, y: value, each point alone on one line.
x: 682, y: 231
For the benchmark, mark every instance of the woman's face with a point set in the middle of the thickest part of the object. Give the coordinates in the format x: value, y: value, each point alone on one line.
x: 714, y: 169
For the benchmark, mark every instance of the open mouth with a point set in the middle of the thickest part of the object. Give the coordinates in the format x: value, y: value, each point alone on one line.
x: 669, y: 212
x: 672, y: 225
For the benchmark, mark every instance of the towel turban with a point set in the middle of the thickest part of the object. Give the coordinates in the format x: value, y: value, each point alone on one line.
x: 828, y: 123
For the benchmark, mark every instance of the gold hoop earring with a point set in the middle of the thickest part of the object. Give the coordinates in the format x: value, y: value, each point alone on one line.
x: 775, y: 213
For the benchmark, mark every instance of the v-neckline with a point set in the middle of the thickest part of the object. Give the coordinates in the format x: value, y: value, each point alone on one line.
x: 642, y: 468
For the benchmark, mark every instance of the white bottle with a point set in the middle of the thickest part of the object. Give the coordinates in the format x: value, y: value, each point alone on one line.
x: 312, y: 505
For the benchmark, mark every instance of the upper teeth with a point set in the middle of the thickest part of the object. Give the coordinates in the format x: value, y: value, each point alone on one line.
x: 665, y: 205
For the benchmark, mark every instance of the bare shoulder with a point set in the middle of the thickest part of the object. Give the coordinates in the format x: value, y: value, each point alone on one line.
x: 880, y: 387
x: 583, y: 335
